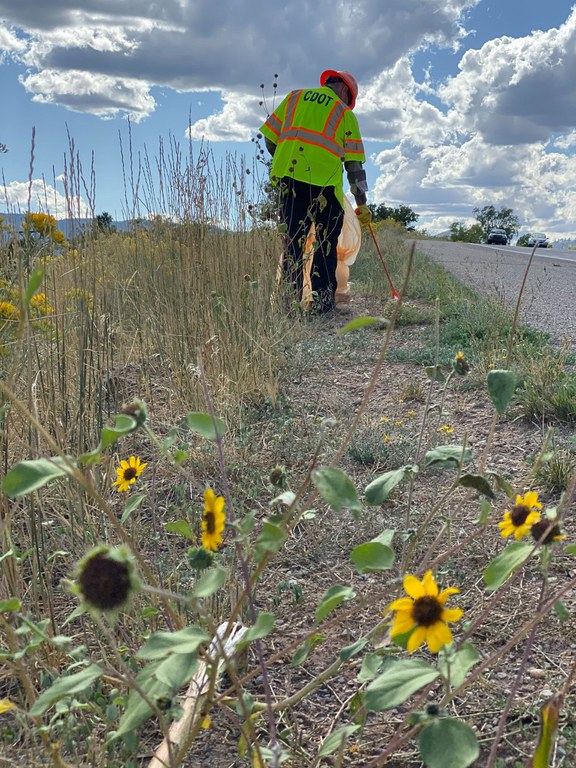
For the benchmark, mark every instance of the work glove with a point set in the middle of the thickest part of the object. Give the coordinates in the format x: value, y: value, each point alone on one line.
x: 364, y: 215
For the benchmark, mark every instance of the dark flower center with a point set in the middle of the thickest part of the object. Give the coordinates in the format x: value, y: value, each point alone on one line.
x: 427, y: 611
x: 539, y: 529
x: 210, y: 521
x: 130, y: 473
x: 105, y: 583
x: 519, y: 514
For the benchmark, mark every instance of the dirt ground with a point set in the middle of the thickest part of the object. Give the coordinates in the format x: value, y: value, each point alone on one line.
x: 324, y: 387
x: 329, y: 383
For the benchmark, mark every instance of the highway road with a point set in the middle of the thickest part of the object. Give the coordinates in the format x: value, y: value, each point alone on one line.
x: 549, y: 299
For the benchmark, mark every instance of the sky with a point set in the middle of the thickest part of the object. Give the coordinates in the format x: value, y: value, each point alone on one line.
x: 462, y: 103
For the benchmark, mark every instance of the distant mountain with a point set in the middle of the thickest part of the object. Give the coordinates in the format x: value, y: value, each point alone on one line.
x: 68, y: 226
x: 567, y: 243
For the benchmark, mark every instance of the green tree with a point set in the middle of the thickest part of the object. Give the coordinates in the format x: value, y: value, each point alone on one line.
x: 402, y: 214
x: 460, y: 233
x: 489, y: 218
x: 103, y: 223
x: 523, y: 240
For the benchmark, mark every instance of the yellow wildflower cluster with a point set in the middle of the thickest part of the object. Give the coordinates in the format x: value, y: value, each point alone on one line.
x: 77, y: 298
x: 7, y: 310
x: 39, y: 302
x: 44, y: 225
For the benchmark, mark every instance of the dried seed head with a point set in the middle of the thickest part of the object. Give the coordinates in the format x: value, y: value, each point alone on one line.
x: 106, y: 579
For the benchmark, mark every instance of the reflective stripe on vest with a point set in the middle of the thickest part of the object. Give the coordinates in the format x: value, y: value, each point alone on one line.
x: 324, y: 137
x: 274, y: 124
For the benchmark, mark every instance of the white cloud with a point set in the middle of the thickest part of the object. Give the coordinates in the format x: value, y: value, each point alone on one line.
x: 21, y: 196
x: 189, y: 46
x: 10, y: 42
x: 517, y: 90
x: 501, y: 131
x: 103, y: 96
x: 235, y: 122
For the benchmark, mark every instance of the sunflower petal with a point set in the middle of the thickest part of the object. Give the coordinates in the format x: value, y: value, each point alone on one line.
x: 413, y: 587
x: 416, y: 639
x: 402, y: 604
x: 445, y: 594
x: 452, y: 614
x: 437, y: 635
x: 402, y: 623
x: 531, y: 500
x: 430, y: 586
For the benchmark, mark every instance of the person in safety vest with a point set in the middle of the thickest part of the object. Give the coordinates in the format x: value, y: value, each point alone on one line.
x: 310, y: 135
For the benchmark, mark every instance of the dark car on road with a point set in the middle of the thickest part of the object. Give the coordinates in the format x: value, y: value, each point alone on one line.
x: 497, y: 236
x: 538, y: 238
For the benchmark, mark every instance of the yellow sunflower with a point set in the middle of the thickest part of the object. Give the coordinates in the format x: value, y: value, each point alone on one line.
x: 423, y: 612
x: 522, y: 517
x: 127, y: 473
x: 213, y: 520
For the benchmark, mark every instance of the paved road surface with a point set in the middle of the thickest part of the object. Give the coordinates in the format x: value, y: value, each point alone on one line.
x: 549, y: 301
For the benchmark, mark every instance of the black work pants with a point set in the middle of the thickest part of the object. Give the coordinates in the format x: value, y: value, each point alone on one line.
x: 302, y: 205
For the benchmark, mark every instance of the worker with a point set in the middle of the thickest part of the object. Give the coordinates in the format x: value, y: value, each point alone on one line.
x: 310, y: 135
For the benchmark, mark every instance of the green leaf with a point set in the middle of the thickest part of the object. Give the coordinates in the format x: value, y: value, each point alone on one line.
x: 374, y: 555
x: 270, y: 539
x: 501, y: 388
x: 371, y: 664
x: 460, y: 662
x: 210, y: 582
x: 334, y: 741
x: 132, y: 504
x: 351, y: 650
x: 177, y: 669
x: 204, y: 425
x: 504, y: 485
x: 485, y: 511
x: 504, y: 565
x: 380, y: 489
x: 65, y: 686
x: 12, y: 604
x: 448, y: 456
x: 560, y: 610
x: 137, y: 710
x: 448, y: 743
x: 180, y: 527
x: 124, y: 424
x: 160, y: 644
x: 549, y: 716
x: 571, y: 549
x: 28, y: 476
x: 307, y: 646
x: 331, y: 599
x: 479, y: 483
x: 364, y: 322
x: 435, y: 373
x: 33, y: 284
x: 397, y: 682
x: 336, y: 489
x: 263, y: 626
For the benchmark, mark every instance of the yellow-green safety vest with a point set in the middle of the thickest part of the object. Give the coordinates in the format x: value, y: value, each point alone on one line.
x: 314, y: 132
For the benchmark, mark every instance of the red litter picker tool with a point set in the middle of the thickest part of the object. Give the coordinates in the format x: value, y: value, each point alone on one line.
x: 395, y: 294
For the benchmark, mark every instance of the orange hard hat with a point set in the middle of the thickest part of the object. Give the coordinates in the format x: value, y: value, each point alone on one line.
x: 347, y: 78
